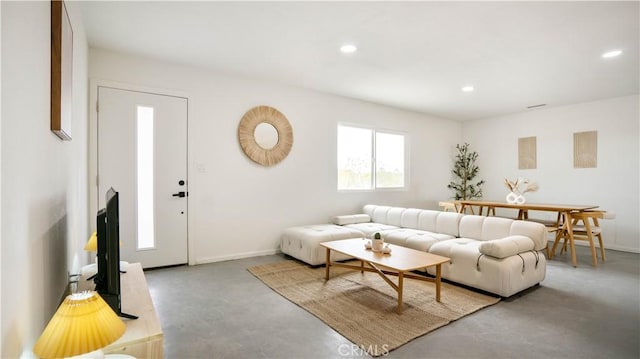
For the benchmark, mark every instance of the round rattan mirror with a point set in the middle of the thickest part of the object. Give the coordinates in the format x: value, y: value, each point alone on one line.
x: 257, y: 122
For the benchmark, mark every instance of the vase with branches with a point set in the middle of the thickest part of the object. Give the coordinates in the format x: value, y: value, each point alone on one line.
x: 516, y: 195
x: 465, y: 170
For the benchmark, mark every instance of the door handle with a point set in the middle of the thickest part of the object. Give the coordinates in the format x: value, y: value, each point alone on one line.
x: 180, y: 194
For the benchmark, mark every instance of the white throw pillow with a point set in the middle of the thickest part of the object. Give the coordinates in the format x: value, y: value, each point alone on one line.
x: 507, y: 246
x: 351, y: 219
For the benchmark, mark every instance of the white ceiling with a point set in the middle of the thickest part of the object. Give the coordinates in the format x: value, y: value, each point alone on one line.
x: 411, y: 55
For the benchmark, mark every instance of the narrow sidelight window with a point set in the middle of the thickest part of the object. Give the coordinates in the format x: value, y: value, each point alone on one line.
x: 146, y: 232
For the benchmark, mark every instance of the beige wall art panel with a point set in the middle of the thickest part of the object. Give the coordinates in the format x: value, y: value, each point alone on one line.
x: 527, y: 153
x: 585, y: 149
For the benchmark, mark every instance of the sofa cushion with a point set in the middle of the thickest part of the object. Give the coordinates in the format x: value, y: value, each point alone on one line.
x: 320, y: 233
x: 439, y: 222
x: 350, y: 219
x: 484, y: 228
x: 506, y: 247
x: 536, y: 231
x: 378, y: 214
x: 449, y: 223
x: 412, y: 238
x: 408, y: 232
x: 401, y: 233
x: 495, y: 228
x: 471, y: 226
x: 427, y: 220
x: 449, y: 247
x: 394, y: 216
x: 410, y: 218
x: 370, y: 228
x: 422, y: 242
x: 304, y: 242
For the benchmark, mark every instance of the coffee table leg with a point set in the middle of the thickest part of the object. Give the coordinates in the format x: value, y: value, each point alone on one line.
x: 438, y: 271
x: 400, y: 280
x: 326, y: 274
x: 362, y: 267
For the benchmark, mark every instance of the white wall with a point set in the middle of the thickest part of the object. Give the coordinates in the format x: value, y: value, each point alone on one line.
x: 1, y: 172
x: 44, y: 200
x: 613, y: 185
x: 238, y: 208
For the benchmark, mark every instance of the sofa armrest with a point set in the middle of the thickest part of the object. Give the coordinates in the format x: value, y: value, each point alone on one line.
x: 507, y: 246
x: 350, y: 219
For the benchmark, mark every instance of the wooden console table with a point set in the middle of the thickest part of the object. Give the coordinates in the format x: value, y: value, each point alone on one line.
x: 564, y: 211
x: 143, y: 336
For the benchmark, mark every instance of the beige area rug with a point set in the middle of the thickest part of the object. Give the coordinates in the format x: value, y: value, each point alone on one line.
x: 362, y: 307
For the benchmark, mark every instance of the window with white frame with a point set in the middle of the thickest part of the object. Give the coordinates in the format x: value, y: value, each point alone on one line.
x: 370, y: 159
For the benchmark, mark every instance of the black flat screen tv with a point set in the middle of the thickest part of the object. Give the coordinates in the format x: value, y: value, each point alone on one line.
x: 107, y: 279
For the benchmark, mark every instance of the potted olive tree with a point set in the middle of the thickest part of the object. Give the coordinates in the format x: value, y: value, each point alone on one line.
x: 465, y: 170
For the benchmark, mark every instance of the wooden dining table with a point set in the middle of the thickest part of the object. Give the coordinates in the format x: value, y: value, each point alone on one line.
x: 564, y: 211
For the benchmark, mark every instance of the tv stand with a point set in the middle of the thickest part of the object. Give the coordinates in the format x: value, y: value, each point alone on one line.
x: 143, y: 337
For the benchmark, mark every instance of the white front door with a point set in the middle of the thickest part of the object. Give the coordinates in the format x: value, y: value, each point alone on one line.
x: 142, y: 154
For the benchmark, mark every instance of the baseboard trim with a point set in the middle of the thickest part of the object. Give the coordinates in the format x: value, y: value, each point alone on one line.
x: 237, y: 256
x: 619, y: 248
x: 606, y: 246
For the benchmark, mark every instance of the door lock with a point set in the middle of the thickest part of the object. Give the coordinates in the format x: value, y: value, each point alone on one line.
x: 180, y: 194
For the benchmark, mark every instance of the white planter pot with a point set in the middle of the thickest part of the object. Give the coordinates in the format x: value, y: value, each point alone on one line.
x: 377, y: 245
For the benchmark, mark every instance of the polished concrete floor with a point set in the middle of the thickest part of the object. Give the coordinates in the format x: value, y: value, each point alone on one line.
x: 220, y: 310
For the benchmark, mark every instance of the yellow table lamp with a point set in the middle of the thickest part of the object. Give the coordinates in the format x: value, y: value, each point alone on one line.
x: 92, y: 246
x: 82, y: 324
x: 92, y: 243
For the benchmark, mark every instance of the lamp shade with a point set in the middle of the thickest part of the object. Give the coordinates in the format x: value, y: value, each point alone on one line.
x: 83, y: 323
x: 92, y: 243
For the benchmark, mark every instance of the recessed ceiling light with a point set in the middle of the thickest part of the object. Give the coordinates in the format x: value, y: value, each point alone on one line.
x: 468, y: 88
x: 348, y: 49
x: 610, y: 54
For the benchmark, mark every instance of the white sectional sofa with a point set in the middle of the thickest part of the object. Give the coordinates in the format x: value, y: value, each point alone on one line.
x: 497, y: 255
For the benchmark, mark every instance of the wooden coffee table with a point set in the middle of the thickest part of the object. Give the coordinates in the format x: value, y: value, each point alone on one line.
x: 400, y: 261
